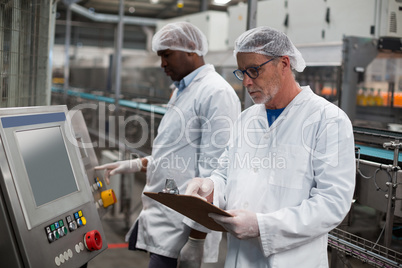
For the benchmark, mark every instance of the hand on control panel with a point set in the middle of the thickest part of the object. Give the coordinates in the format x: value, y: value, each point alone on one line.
x: 121, y: 167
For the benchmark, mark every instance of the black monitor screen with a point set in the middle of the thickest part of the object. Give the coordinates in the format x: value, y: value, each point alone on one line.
x: 47, y: 163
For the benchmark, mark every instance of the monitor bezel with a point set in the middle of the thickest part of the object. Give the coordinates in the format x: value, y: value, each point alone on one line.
x: 36, y: 215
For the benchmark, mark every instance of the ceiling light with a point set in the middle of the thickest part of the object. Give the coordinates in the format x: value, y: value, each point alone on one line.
x: 221, y: 2
x: 154, y: 1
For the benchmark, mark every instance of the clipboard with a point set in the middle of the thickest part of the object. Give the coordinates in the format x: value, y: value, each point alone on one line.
x: 192, y: 207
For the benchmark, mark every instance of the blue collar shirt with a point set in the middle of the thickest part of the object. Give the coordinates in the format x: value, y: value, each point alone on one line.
x: 182, y: 84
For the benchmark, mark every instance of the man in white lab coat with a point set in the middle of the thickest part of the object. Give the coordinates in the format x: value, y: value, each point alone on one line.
x: 288, y: 175
x: 191, y: 136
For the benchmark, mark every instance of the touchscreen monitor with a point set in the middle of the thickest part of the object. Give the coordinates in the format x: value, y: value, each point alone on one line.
x: 47, y: 164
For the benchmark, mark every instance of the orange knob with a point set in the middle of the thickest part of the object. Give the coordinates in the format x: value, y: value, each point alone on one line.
x: 108, y: 198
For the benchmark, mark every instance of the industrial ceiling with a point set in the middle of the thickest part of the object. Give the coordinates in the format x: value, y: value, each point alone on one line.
x: 158, y: 9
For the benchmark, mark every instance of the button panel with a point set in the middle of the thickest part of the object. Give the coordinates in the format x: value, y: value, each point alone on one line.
x: 60, y: 228
x: 55, y: 231
x: 63, y: 257
x: 80, y: 219
x: 97, y: 184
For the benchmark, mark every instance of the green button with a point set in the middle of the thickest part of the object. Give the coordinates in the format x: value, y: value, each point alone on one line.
x: 65, y: 230
x: 52, y: 227
x: 61, y: 223
x: 57, y: 235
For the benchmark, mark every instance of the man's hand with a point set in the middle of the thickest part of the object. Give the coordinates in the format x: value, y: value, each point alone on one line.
x: 191, y: 254
x: 121, y: 167
x: 201, y: 187
x: 243, y: 224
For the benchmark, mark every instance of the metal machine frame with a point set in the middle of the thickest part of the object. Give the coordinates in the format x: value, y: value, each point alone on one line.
x: 357, y: 54
x: 54, y: 234
x: 373, y: 171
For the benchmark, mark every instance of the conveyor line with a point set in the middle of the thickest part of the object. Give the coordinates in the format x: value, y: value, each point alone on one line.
x: 378, y: 153
x: 125, y: 103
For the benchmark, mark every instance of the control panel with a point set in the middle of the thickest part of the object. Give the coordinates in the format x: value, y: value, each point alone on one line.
x: 103, y: 196
x: 49, y: 216
x: 63, y: 228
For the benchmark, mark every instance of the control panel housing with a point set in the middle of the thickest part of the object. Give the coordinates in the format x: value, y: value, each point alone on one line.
x: 47, y: 210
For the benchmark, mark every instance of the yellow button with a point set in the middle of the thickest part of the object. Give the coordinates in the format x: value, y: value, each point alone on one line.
x: 84, y: 221
x: 80, y: 213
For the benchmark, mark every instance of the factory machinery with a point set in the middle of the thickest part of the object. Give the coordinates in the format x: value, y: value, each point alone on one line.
x: 51, y: 198
x: 378, y: 186
x: 378, y: 157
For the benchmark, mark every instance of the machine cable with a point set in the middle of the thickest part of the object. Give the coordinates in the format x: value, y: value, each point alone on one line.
x: 385, y: 168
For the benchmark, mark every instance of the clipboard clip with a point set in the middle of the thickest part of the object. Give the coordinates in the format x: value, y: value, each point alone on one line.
x: 170, y: 187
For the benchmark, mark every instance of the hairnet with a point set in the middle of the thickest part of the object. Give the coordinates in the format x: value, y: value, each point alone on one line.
x: 267, y: 41
x: 181, y: 36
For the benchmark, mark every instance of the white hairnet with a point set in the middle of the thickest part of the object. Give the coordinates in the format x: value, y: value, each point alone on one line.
x: 267, y: 41
x: 181, y: 36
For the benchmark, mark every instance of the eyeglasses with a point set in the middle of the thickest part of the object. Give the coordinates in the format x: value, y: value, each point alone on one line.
x: 252, y: 72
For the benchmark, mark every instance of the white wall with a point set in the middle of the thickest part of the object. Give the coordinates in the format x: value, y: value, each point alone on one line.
x: 86, y: 56
x: 213, y: 24
x: 307, y: 19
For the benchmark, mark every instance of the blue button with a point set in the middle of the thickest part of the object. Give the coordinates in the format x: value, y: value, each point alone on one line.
x: 56, y: 224
x: 76, y: 215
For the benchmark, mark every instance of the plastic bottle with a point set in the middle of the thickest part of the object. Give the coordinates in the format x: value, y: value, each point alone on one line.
x: 371, y: 98
x: 378, y: 99
x: 364, y: 97
x: 359, y: 97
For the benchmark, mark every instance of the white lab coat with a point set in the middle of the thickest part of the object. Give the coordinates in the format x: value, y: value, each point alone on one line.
x: 192, y: 135
x: 298, y: 176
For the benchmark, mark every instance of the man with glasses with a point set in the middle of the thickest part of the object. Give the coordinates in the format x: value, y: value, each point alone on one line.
x: 288, y: 175
x: 191, y: 136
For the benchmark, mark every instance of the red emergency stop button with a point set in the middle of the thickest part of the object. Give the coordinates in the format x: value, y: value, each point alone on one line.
x: 93, y: 240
